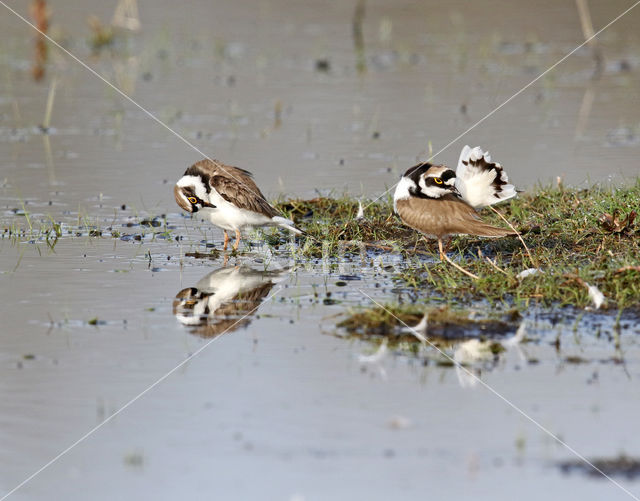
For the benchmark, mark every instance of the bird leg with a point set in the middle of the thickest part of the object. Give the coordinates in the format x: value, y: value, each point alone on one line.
x: 226, y: 240
x: 237, y: 242
x: 444, y: 257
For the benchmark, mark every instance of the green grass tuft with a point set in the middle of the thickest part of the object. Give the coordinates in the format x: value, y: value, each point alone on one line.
x: 577, y: 237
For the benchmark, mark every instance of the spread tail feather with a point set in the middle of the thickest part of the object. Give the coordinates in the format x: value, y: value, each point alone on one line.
x: 287, y: 224
x: 480, y: 181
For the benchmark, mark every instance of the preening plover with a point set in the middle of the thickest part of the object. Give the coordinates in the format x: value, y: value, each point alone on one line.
x: 228, y: 197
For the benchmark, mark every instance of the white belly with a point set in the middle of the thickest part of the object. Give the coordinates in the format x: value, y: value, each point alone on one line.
x: 230, y: 217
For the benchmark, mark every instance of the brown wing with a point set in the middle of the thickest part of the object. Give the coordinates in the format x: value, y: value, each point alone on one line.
x: 235, y: 185
x: 229, y: 317
x: 243, y: 193
x: 447, y: 215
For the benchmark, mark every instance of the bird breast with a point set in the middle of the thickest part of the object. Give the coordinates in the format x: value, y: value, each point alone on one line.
x: 229, y: 217
x: 439, y: 217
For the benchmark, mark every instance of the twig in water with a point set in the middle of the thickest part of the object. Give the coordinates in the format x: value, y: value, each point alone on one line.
x: 358, y: 37
x: 589, y: 34
x: 49, y: 108
x: 40, y: 14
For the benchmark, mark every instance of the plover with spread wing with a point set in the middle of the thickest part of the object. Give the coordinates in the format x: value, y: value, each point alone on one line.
x: 439, y: 202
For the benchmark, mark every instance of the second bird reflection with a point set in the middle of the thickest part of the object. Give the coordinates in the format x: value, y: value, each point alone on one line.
x: 225, y: 299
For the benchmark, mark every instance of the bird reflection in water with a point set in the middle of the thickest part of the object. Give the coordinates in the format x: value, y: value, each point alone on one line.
x: 224, y: 300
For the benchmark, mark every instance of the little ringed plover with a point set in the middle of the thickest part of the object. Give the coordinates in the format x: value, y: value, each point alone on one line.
x: 439, y: 202
x: 228, y: 197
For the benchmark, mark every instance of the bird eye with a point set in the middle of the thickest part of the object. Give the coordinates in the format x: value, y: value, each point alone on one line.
x: 437, y: 180
x: 193, y: 200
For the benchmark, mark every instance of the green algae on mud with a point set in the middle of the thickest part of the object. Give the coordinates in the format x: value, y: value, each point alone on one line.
x: 578, y: 238
x: 446, y: 326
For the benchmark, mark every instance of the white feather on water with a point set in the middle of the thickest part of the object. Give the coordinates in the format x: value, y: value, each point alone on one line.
x: 596, y: 296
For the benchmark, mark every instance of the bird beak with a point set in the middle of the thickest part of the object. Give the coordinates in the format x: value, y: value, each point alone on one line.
x: 455, y: 190
x: 209, y: 205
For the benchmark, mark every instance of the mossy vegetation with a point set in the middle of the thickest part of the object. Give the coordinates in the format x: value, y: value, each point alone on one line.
x: 577, y: 238
x: 332, y: 225
x: 446, y: 325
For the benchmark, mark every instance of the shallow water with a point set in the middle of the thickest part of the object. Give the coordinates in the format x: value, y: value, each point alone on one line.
x: 281, y: 407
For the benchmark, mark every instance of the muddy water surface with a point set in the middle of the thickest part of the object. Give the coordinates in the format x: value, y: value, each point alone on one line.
x: 281, y: 406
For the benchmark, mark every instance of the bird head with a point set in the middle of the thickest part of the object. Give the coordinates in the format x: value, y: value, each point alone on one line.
x: 191, y: 195
x: 432, y: 181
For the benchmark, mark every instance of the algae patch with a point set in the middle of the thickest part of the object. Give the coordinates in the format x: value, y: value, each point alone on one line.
x: 444, y: 326
x: 581, y: 241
